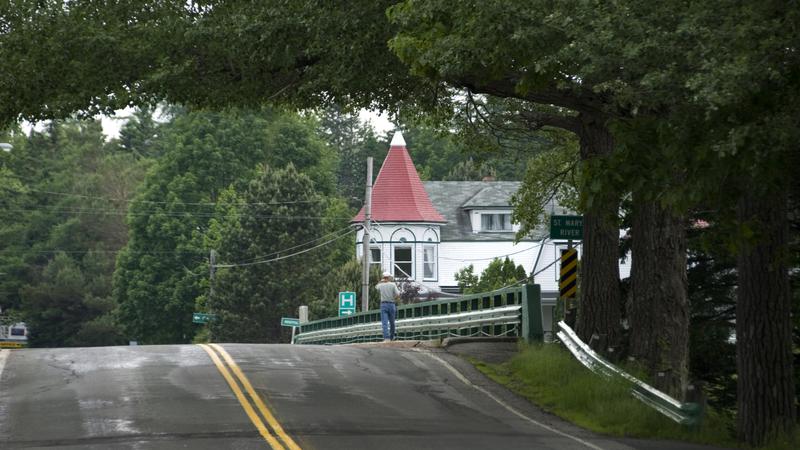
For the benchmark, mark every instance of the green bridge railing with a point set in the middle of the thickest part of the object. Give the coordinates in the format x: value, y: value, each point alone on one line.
x: 515, y: 311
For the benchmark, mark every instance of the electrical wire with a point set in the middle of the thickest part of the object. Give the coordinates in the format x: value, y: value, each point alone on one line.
x: 296, y: 246
x: 110, y: 212
x: 285, y: 256
x: 554, y: 261
x: 110, y: 199
x: 146, y: 252
x: 491, y: 257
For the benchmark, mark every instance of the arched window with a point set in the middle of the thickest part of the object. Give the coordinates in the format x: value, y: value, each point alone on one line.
x: 403, y: 253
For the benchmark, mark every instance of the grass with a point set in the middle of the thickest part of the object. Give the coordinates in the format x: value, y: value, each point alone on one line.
x: 550, y: 377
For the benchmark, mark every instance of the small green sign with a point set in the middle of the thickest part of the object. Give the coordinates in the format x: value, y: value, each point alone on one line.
x: 347, y: 303
x: 202, y: 317
x: 566, y: 227
x: 290, y: 322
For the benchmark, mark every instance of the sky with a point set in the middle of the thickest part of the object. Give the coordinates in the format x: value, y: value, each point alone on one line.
x: 112, y: 125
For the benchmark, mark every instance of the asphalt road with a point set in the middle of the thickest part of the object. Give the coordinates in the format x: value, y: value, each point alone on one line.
x: 309, y: 397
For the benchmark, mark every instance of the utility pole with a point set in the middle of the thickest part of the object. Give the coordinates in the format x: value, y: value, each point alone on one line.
x: 365, y: 239
x: 212, y: 269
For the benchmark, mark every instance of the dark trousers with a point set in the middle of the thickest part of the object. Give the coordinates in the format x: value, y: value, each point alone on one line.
x: 388, y: 316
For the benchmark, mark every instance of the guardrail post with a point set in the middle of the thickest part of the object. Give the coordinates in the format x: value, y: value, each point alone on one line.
x: 532, y: 313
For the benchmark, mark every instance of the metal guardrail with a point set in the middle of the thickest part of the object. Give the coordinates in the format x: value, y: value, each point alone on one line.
x: 683, y: 413
x: 505, y: 312
x: 430, y: 327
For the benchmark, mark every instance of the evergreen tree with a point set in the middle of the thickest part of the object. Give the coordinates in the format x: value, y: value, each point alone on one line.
x: 162, y: 272
x: 345, y: 277
x: 268, y: 265
x: 353, y: 143
x: 64, y: 222
x: 139, y: 134
x: 498, y: 274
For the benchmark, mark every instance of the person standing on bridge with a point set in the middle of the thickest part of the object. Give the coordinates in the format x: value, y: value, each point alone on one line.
x: 389, y: 295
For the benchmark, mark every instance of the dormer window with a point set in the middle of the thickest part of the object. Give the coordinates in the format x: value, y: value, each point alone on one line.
x: 496, y: 222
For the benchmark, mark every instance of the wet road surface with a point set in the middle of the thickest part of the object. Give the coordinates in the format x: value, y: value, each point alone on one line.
x: 342, y: 397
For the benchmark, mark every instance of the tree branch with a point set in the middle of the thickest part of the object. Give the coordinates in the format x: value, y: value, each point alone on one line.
x: 585, y: 101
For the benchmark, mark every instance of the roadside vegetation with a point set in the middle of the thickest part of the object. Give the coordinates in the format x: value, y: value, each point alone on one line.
x: 550, y: 377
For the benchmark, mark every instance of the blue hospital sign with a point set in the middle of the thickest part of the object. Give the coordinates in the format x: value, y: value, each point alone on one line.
x: 347, y: 303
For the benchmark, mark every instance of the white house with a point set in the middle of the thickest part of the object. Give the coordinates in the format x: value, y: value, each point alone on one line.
x: 427, y: 231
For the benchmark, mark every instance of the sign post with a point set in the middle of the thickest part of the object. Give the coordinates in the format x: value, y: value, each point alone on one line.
x: 347, y: 303
x: 290, y: 322
x: 570, y: 228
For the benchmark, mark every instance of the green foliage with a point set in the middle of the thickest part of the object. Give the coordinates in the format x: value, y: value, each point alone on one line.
x: 499, y: 273
x: 161, y: 274
x: 210, y: 54
x: 260, y: 287
x: 552, y: 175
x: 702, y: 99
x: 469, y: 171
x: 61, y: 311
x: 551, y: 378
x: 712, y: 282
x: 344, y: 278
x: 63, y: 221
x: 466, y: 279
x: 353, y: 143
x: 138, y: 135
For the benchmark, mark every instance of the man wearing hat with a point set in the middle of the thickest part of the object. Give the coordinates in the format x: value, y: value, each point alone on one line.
x: 389, y: 294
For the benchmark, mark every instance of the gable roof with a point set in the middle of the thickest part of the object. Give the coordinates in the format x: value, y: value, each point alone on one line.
x: 492, y: 194
x: 398, y: 194
x: 455, y: 199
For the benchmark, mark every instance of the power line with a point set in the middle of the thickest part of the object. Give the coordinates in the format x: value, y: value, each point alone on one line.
x: 298, y: 245
x: 117, y: 212
x: 147, y: 252
x: 491, y: 257
x: 74, y: 194
x: 285, y: 256
x: 554, y: 261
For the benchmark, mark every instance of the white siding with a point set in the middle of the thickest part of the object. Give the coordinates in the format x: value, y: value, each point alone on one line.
x: 455, y: 255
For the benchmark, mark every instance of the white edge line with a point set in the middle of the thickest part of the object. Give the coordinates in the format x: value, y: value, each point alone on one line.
x: 3, y: 355
x: 503, y: 404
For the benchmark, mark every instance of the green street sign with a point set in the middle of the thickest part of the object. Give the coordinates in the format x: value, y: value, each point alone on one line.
x: 202, y: 317
x: 290, y: 322
x: 347, y: 303
x: 566, y: 227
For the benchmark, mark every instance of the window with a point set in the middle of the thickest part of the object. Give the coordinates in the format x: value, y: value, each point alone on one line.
x: 429, y: 262
x: 375, y: 256
x: 403, y: 262
x: 496, y: 222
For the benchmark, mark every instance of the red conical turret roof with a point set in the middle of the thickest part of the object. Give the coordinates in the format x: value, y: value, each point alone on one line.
x: 398, y: 194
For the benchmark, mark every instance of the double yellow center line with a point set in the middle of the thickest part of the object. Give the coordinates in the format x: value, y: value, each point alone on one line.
x: 277, y: 439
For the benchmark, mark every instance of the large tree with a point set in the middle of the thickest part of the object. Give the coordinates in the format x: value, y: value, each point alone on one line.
x: 271, y: 256
x: 594, y: 62
x: 160, y: 273
x: 63, y: 222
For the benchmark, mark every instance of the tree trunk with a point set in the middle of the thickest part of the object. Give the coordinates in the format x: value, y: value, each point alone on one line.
x: 599, y: 309
x: 659, y: 310
x: 765, y: 390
